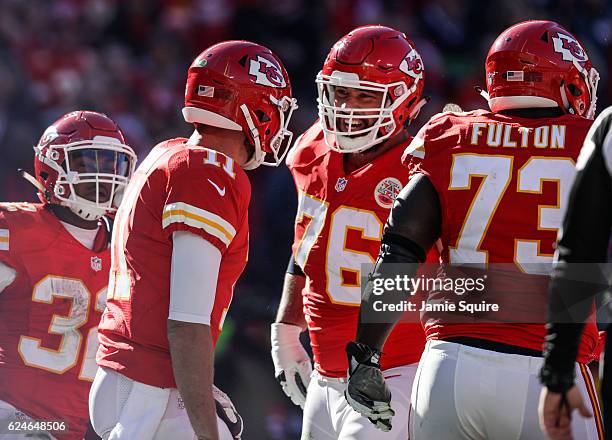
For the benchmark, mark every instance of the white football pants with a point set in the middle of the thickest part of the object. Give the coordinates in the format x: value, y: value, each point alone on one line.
x: 327, y: 414
x: 462, y: 392
x: 121, y: 408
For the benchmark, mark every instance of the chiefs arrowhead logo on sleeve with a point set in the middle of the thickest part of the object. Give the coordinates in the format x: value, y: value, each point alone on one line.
x: 412, y: 65
x: 569, y: 48
x: 267, y: 73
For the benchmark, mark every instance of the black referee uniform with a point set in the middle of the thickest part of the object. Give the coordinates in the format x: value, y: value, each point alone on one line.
x: 580, y: 273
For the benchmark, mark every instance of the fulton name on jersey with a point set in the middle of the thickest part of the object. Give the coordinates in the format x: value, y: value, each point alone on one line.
x: 515, y: 136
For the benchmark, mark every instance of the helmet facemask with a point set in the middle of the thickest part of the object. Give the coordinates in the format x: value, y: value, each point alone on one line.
x: 589, y: 76
x: 356, y: 140
x: 277, y: 147
x: 92, y: 174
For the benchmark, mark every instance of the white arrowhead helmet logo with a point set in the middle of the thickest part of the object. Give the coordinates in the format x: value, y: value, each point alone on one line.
x: 569, y: 48
x: 412, y: 64
x: 267, y: 73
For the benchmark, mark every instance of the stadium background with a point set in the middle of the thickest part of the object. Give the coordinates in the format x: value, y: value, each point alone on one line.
x: 129, y: 59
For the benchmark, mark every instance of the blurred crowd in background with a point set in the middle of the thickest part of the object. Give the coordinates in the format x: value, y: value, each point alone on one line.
x: 129, y: 58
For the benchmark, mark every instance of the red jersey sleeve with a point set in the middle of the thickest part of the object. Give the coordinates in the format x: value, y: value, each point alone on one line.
x: 7, y: 270
x: 429, y: 153
x: 300, y: 221
x: 439, y: 134
x: 414, y: 154
x: 7, y: 247
x: 15, y: 223
x: 306, y: 162
x: 210, y: 201
x: 298, y: 160
x: 416, y: 148
x: 5, y: 236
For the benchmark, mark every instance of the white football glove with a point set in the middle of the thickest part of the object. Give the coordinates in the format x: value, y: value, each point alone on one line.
x: 227, y: 412
x: 292, y: 366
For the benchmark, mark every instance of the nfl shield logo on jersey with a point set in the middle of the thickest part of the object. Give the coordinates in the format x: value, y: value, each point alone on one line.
x: 96, y: 263
x: 386, y: 191
x: 341, y: 184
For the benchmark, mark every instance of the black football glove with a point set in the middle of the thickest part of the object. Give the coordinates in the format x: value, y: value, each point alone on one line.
x: 367, y: 392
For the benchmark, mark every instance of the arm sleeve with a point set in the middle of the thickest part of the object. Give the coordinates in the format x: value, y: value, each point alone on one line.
x: 583, y: 243
x: 412, y: 228
x: 193, y: 279
x: 206, y: 202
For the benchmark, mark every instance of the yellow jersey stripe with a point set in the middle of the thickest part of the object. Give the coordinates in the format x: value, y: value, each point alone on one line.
x: 180, y: 216
x: 4, y: 239
x: 594, y: 401
x: 182, y: 206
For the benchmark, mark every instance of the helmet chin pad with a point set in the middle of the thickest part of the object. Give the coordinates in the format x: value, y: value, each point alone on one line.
x: 356, y: 143
x: 84, y: 208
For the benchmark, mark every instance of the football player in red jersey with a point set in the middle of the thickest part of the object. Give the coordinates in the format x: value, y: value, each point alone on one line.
x: 54, y: 264
x: 346, y: 172
x: 180, y: 243
x: 492, y: 185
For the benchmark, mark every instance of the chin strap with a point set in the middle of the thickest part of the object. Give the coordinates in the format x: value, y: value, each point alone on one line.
x: 566, y: 104
x: 417, y: 108
x: 84, y: 212
x: 30, y: 178
x: 259, y: 155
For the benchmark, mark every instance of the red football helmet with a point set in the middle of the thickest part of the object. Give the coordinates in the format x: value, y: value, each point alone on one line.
x: 376, y: 59
x: 83, y: 162
x: 239, y: 85
x: 540, y: 64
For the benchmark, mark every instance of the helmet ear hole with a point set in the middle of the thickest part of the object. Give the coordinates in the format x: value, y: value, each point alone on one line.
x: 44, y: 175
x: 575, y: 91
x: 261, y: 116
x: 409, y: 103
